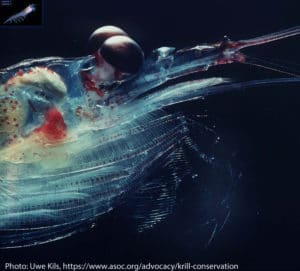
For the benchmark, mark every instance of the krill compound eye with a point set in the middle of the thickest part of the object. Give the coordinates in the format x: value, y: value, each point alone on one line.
x: 123, y: 53
x: 101, y: 34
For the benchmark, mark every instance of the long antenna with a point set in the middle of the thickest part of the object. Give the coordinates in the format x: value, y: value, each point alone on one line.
x: 270, y: 68
x: 231, y: 49
x: 266, y: 38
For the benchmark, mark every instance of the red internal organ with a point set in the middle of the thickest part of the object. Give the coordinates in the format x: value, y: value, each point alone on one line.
x: 54, y: 127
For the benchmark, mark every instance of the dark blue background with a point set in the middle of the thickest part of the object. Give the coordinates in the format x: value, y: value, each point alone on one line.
x: 262, y: 124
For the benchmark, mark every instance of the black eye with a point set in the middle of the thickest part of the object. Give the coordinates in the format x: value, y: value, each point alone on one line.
x: 101, y: 34
x: 123, y: 53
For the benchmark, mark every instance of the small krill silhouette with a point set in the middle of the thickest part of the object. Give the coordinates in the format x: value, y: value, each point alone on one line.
x: 20, y: 17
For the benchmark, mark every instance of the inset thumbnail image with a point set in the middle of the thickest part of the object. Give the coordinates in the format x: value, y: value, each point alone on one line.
x: 21, y: 12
